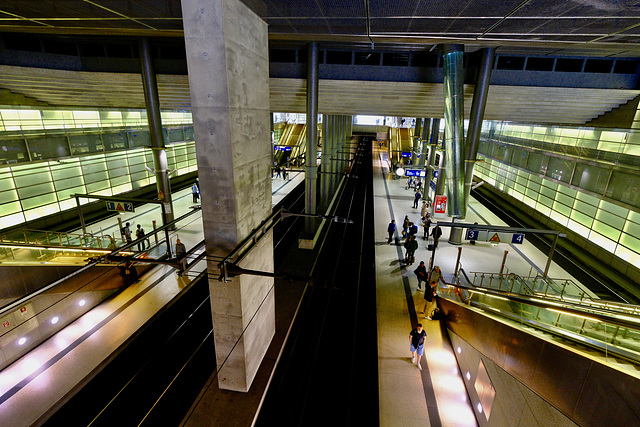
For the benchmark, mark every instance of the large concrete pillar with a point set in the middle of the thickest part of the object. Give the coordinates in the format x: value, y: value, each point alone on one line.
x: 311, y: 164
x: 228, y: 64
x: 152, y: 103
x: 454, y: 128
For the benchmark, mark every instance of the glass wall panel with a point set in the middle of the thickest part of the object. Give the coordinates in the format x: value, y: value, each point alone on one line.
x: 49, y: 147
x: 560, y: 169
x: 606, y: 230
x: 139, y: 138
x: 115, y: 141
x: 13, y: 150
x: 85, y: 143
x: 624, y: 187
x: 537, y: 163
x: 591, y: 178
x: 176, y: 135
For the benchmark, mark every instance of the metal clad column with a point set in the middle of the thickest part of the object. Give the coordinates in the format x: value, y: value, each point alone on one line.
x: 477, y: 115
x: 152, y: 103
x: 416, y: 141
x: 325, y: 177
x: 454, y: 129
x: 431, y: 160
x: 312, y: 136
x: 424, y: 144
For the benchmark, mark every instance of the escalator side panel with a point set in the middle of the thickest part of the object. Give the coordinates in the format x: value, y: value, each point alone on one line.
x: 564, y: 380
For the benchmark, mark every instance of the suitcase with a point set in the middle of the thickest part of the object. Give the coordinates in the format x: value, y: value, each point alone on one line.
x: 430, y: 247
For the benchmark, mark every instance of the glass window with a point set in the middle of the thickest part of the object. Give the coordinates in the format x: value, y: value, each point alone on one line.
x: 624, y: 187
x: 560, y: 169
x: 139, y: 138
x: 13, y: 150
x: 50, y: 147
x: 87, y: 143
x: 590, y: 178
x: 537, y: 163
x: 585, y: 208
x: 606, y: 230
x: 115, y: 141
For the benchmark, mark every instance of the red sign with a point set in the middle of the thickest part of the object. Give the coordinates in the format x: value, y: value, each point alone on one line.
x: 5, y: 325
x: 23, y: 309
x: 440, y: 205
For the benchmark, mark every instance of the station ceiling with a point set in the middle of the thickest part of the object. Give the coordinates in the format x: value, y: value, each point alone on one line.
x: 593, y: 28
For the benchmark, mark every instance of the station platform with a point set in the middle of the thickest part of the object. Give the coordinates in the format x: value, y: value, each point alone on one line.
x: 37, y: 383
x: 435, y: 395
x: 42, y: 380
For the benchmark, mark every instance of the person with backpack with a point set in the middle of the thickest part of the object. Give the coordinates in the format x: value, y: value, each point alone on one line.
x: 140, y: 235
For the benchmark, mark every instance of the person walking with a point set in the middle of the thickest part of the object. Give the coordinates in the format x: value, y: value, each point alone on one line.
x: 391, y: 229
x: 430, y: 291
x: 140, y: 235
x: 181, y: 252
x: 421, y: 274
x: 436, y: 233
x: 416, y: 199
x: 126, y: 230
x: 416, y: 343
x: 195, y: 192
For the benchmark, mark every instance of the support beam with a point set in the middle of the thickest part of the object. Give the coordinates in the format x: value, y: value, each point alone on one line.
x: 311, y: 168
x: 152, y: 103
x: 478, y: 105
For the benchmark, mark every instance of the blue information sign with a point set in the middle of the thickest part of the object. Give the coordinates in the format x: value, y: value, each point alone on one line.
x: 414, y: 172
x: 406, y: 154
x: 282, y: 148
x: 435, y: 174
x: 472, y: 234
x: 517, y: 238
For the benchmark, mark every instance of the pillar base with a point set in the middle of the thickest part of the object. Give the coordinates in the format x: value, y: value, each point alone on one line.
x: 455, y: 237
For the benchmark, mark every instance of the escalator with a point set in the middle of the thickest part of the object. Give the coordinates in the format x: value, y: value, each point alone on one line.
x: 561, y: 345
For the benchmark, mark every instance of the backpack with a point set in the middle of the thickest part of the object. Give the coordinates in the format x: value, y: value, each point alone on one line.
x: 140, y: 232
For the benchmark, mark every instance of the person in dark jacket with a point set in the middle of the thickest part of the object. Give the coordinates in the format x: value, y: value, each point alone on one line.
x: 421, y: 274
x: 391, y: 229
x: 411, y: 245
x: 436, y: 233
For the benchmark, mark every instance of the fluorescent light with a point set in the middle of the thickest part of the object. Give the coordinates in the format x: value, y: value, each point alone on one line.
x: 82, y: 303
x: 55, y: 319
x: 22, y: 341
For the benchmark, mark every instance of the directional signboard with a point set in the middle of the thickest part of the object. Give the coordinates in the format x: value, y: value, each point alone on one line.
x: 415, y: 172
x: 282, y: 148
x: 120, y: 206
x: 494, y: 237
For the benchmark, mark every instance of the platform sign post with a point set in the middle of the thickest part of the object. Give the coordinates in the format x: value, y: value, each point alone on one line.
x: 494, y: 237
x: 120, y: 206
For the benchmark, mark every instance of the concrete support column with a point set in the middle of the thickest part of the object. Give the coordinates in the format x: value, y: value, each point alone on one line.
x: 311, y: 168
x: 228, y: 64
x: 480, y: 93
x: 454, y: 128
x: 152, y: 103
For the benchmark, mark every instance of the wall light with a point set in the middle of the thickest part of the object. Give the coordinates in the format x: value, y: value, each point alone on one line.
x: 459, y: 350
x: 82, y: 303
x: 55, y: 319
x: 468, y: 376
x: 479, y: 407
x: 22, y: 341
